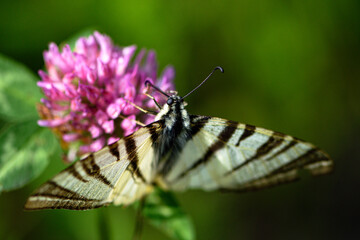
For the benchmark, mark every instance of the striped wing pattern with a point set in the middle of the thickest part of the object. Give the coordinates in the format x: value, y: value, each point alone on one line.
x: 119, y: 173
x: 220, y: 154
x: 232, y: 156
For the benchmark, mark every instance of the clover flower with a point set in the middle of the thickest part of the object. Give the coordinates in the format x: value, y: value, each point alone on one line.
x: 90, y: 92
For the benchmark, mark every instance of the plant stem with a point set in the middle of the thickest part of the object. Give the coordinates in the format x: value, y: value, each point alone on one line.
x: 103, y: 224
x: 139, y: 220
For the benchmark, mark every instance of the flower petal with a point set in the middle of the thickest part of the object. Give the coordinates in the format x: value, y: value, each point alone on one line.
x: 86, y: 90
x: 128, y: 125
x: 95, y: 131
x: 108, y: 126
x: 106, y: 46
x: 70, y: 137
x: 97, y: 144
x: 111, y: 140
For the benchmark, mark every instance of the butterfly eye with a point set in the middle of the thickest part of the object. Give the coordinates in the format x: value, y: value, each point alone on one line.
x: 170, y: 101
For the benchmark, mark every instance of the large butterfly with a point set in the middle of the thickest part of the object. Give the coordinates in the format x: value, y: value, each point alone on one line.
x: 177, y: 152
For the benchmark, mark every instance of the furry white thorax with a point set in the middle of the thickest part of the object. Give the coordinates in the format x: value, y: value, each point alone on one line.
x: 162, y: 112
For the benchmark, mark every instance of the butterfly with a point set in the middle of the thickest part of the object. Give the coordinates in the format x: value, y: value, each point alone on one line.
x: 179, y: 151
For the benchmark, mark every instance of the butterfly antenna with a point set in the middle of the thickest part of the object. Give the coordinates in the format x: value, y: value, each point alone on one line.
x: 148, y: 83
x: 216, y: 68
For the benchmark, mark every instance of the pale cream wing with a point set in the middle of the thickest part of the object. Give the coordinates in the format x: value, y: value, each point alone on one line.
x: 232, y: 156
x: 119, y: 173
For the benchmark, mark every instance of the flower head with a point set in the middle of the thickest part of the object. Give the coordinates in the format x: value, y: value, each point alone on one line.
x: 90, y: 92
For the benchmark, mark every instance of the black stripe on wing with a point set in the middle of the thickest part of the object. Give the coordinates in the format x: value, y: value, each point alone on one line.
x: 197, y: 123
x: 264, y: 182
x: 223, y: 138
x: 274, y: 141
x: 72, y: 170
x: 53, y: 196
x: 248, y: 131
x: 311, y: 156
x: 282, y: 150
x: 114, y: 150
x: 92, y: 169
x: 288, y: 172
x: 131, y: 150
x: 154, y: 131
x: 174, y: 144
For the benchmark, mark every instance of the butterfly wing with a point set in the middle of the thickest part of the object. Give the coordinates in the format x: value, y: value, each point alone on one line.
x: 119, y: 173
x: 232, y: 156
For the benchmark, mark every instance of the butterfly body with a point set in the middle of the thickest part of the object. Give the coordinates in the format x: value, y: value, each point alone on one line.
x: 175, y: 133
x: 177, y: 152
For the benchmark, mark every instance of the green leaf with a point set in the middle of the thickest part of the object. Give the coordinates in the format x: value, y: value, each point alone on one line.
x: 164, y: 212
x: 18, y: 91
x: 24, y: 153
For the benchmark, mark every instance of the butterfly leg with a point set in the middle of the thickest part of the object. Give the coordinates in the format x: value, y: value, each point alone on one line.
x: 151, y: 97
x: 136, y: 121
x: 142, y: 109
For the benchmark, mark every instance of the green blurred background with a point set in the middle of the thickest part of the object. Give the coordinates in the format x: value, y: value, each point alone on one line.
x: 290, y: 66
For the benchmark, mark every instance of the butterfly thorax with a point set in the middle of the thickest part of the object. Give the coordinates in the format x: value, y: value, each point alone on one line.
x: 176, y: 132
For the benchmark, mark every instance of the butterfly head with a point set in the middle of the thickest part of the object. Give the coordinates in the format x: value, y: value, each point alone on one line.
x: 175, y: 105
x: 174, y: 99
